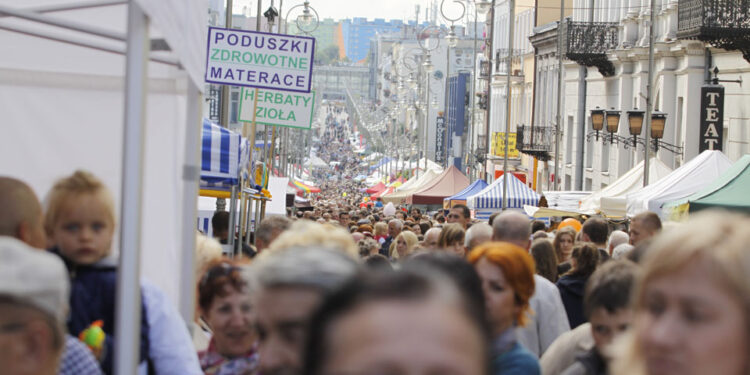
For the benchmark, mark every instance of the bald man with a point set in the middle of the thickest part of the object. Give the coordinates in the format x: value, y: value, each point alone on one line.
x: 21, y: 214
x: 549, y: 319
x: 644, y: 226
x: 21, y: 217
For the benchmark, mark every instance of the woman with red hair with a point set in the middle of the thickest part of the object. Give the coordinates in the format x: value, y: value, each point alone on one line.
x: 507, y: 274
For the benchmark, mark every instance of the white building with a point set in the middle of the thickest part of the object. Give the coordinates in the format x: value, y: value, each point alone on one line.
x: 682, y: 66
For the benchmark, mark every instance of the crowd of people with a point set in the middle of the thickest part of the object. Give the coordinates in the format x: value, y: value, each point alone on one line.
x: 381, y: 289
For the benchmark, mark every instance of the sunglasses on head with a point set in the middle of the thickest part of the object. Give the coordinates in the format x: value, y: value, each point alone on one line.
x: 223, y: 269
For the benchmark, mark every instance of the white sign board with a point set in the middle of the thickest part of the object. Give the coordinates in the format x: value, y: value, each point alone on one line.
x: 257, y: 59
x: 277, y: 108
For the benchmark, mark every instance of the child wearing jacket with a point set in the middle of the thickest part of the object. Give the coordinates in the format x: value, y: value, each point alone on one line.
x: 80, y: 224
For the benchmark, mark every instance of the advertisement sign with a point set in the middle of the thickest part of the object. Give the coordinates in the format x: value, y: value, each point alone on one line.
x: 277, y: 108
x: 712, y: 118
x: 498, y: 145
x: 439, y: 139
x: 257, y: 59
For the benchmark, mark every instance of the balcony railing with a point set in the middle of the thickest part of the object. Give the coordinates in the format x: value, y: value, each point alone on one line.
x: 588, y: 42
x: 723, y: 23
x: 484, y: 69
x: 537, y: 141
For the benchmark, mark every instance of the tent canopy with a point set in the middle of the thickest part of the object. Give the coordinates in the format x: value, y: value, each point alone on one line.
x: 463, y: 195
x: 399, y: 196
x: 448, y: 183
x: 223, y: 155
x: 491, y: 197
x: 684, y: 181
x: 611, y: 201
x: 565, y: 200
x: 377, y: 188
x: 731, y: 191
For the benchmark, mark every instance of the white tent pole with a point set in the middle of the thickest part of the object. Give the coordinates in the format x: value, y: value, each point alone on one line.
x: 128, y: 305
x: 75, y: 5
x: 54, y: 21
x: 106, y: 47
x: 190, y: 176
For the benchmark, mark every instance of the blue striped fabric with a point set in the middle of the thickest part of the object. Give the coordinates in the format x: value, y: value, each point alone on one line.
x: 491, y: 197
x: 222, y: 154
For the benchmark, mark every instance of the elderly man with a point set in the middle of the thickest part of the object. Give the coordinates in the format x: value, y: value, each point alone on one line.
x: 549, y: 319
x: 616, y: 238
x: 21, y: 217
x: 270, y: 228
x: 476, y: 235
x: 33, y: 308
x: 644, y: 226
x: 431, y: 238
x: 460, y: 215
x: 394, y: 229
x: 287, y: 287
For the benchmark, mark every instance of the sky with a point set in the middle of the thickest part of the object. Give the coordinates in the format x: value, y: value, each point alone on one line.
x: 339, y: 9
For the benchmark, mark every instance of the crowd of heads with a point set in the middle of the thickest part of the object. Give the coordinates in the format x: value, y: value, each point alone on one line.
x: 350, y: 289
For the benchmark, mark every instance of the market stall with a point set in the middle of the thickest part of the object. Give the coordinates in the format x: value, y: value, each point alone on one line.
x: 450, y: 182
x: 490, y: 199
x: 463, y: 195
x: 399, y: 196
x: 684, y: 181
x: 610, y: 201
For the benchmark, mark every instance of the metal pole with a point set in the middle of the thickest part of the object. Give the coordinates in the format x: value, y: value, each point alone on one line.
x: 446, y: 97
x: 472, y: 165
x: 558, y: 125
x: 511, y: 29
x: 426, y: 121
x: 190, y: 177
x: 487, y: 176
x: 128, y: 316
x: 649, y: 94
x: 232, y: 219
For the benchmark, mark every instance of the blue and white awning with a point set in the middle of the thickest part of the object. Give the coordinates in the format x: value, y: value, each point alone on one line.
x: 223, y: 153
x: 491, y: 197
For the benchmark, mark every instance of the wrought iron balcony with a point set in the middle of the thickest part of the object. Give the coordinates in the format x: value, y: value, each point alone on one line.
x: 537, y: 141
x: 723, y: 23
x: 587, y: 43
x: 484, y: 69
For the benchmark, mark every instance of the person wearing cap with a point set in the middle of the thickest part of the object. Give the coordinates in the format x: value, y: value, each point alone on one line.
x: 22, y: 219
x: 33, y: 306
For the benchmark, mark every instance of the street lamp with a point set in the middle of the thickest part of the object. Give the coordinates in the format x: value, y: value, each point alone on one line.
x: 635, y: 123
x: 483, y: 6
x: 597, y: 120
x: 658, y: 119
x: 451, y: 38
x: 308, y: 17
x: 427, y: 65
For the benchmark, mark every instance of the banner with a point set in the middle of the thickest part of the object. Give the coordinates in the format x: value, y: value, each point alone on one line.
x: 257, y: 59
x: 439, y: 139
x: 712, y: 118
x: 498, y: 145
x: 277, y: 108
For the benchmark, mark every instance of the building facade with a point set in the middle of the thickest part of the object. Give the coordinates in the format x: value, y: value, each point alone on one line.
x: 613, y: 41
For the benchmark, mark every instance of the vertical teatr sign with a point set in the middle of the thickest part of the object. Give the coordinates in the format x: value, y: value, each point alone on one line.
x: 439, y: 139
x: 712, y: 118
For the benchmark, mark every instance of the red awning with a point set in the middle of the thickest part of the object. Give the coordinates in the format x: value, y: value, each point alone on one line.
x: 376, y: 189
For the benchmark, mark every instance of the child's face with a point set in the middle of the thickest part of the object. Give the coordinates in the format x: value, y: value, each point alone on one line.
x: 83, y: 230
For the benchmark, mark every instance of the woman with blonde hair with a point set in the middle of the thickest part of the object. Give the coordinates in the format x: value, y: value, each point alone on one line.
x: 507, y: 274
x: 404, y: 245
x: 692, y: 302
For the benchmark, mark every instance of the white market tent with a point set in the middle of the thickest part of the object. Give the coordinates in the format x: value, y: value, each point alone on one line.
x: 610, y: 201
x: 80, y: 89
x: 684, y: 181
